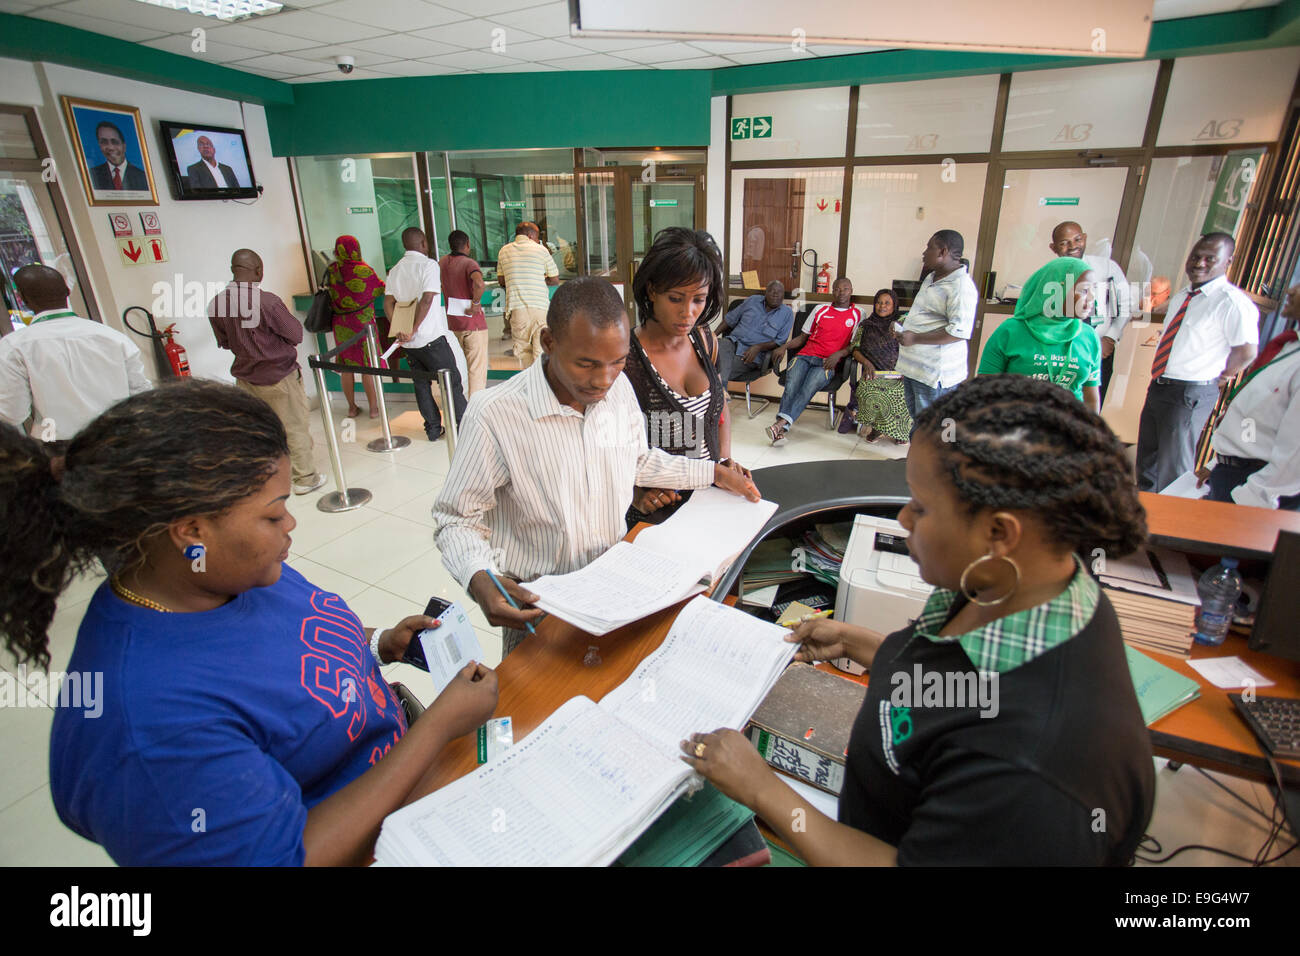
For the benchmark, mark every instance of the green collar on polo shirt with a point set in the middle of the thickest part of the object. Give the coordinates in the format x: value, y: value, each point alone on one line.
x: 57, y: 314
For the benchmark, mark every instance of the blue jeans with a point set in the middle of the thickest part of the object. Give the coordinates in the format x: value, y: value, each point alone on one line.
x: 805, y: 379
x: 920, y: 396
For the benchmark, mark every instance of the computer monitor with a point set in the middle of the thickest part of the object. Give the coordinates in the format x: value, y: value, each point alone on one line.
x: 1276, y: 631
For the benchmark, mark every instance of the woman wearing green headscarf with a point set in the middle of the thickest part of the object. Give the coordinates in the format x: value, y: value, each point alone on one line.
x: 1044, y: 339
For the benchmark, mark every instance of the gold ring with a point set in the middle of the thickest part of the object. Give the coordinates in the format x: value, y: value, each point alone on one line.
x: 699, y: 751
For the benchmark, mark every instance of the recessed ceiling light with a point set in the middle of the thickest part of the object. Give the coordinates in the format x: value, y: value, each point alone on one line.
x: 221, y: 9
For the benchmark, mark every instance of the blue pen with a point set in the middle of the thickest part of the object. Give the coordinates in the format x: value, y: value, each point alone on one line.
x: 497, y: 582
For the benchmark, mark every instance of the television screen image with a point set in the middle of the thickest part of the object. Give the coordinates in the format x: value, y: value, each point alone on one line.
x: 208, y: 162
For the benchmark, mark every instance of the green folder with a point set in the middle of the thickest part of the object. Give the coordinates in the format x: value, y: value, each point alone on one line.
x: 1160, y: 689
x: 689, y: 831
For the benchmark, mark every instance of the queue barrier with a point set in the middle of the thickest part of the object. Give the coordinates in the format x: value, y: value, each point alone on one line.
x: 344, y: 498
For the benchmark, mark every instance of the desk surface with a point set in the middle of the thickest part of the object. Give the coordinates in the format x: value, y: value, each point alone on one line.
x: 1215, y: 527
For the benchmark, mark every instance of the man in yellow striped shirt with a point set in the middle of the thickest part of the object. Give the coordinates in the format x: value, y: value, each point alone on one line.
x: 525, y: 268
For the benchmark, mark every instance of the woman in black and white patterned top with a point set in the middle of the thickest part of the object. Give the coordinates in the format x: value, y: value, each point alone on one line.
x: 678, y: 291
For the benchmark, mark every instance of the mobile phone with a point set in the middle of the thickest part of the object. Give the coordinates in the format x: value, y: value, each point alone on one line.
x: 415, y: 650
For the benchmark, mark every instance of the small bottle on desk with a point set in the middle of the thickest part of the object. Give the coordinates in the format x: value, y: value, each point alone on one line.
x: 1219, y: 588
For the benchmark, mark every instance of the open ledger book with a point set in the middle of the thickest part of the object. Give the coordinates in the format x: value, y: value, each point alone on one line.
x: 579, y: 789
x: 666, y: 564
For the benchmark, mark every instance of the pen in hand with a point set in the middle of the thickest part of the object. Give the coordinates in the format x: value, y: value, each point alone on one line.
x: 509, y: 599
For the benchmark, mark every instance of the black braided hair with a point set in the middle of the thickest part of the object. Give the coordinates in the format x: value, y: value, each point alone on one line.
x: 1013, y: 442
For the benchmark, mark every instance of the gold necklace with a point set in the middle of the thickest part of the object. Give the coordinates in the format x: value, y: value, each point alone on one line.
x: 126, y: 594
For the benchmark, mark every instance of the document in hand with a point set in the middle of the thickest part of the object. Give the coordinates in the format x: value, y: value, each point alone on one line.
x: 579, y: 789
x: 666, y: 564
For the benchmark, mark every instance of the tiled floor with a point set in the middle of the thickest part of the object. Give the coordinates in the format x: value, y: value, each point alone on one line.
x: 381, y: 559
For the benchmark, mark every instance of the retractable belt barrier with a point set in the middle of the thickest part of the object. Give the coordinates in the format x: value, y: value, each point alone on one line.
x: 345, y: 498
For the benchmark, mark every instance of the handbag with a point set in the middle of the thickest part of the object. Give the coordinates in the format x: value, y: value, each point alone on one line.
x: 320, y: 317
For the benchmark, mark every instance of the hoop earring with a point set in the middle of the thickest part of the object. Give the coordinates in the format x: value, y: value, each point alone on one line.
x: 989, y: 557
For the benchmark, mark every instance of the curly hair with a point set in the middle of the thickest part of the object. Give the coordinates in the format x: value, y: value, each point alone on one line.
x: 186, y: 448
x: 1009, y: 441
x: 677, y: 256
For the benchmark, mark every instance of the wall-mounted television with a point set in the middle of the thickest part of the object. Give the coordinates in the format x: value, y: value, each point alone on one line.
x: 208, y: 162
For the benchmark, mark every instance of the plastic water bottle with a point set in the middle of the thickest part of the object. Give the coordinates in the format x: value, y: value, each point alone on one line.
x: 1219, y: 588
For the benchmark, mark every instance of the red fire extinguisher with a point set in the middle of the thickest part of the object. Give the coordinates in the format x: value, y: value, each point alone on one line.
x: 824, y: 278
x: 175, y: 354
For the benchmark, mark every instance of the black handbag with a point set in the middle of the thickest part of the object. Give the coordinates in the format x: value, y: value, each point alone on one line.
x: 320, y: 317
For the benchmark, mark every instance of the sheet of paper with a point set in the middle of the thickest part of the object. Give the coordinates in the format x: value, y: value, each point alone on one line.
x: 390, y: 350
x: 1229, y: 672
x: 450, y: 646
x: 458, y: 306
x: 712, y: 527
x: 567, y: 790
x: 762, y: 597
x: 827, y: 803
x: 1184, y: 486
x: 712, y: 670
x: 617, y: 585
x: 1141, y: 571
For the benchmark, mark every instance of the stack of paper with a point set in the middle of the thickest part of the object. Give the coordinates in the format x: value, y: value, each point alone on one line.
x: 821, y: 551
x: 770, y: 563
x: 1154, y: 594
x: 666, y: 564
x: 580, y: 788
x: 689, y: 832
x: 1160, y: 690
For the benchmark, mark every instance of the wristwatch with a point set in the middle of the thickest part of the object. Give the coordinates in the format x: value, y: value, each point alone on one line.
x: 374, y: 646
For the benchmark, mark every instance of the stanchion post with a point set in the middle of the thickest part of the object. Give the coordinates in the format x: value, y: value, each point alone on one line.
x: 388, y: 442
x: 342, y: 498
x: 452, y: 432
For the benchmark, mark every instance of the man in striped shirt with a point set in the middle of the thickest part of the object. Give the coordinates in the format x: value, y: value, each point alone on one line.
x: 525, y: 269
x: 546, y: 463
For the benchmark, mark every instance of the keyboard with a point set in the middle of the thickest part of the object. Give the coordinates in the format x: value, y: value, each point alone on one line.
x: 1275, y: 721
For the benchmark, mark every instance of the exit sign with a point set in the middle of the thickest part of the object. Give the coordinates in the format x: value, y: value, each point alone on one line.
x: 655, y: 203
x: 514, y: 204
x: 1059, y: 201
x: 361, y: 210
x: 751, y: 127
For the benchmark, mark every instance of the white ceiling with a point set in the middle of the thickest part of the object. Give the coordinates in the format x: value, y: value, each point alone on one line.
x: 420, y: 38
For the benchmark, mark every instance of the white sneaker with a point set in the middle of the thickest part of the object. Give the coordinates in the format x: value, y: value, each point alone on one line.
x: 310, y: 485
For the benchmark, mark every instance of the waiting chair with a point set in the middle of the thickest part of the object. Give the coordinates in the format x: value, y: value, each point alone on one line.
x: 753, y: 407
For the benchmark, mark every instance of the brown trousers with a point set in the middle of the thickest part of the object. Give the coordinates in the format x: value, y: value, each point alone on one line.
x: 288, y: 400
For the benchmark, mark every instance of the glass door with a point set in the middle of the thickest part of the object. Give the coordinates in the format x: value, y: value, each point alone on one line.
x: 1037, y: 196
x: 622, y: 210
x: 32, y: 218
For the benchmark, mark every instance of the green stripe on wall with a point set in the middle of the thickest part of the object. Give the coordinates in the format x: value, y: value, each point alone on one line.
x: 495, y: 110
x: 26, y: 38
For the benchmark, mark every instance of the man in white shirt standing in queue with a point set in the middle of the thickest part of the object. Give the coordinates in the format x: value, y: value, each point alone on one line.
x: 937, y: 328
x: 1112, y: 298
x: 1210, y: 334
x: 62, y: 371
x: 429, y: 346
x: 524, y: 269
x: 546, y: 463
x: 1257, y: 441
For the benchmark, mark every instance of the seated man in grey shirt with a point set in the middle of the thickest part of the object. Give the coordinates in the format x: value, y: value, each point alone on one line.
x: 757, y: 325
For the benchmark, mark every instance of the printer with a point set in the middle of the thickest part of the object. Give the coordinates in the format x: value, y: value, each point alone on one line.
x: 880, y: 585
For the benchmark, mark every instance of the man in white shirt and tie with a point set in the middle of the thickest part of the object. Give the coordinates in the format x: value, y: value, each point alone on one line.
x: 207, y: 173
x: 1211, y: 333
x: 1112, y: 297
x: 547, y: 461
x: 429, y: 346
x: 1257, y: 441
x: 62, y: 371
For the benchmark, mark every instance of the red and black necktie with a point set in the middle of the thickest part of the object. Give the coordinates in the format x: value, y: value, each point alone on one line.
x: 117, y: 178
x: 1167, y: 340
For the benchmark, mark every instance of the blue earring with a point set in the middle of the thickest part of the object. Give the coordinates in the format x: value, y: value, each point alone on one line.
x: 193, y: 551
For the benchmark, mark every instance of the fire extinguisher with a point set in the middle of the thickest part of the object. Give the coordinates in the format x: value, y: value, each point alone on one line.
x: 824, y: 278
x: 175, y: 354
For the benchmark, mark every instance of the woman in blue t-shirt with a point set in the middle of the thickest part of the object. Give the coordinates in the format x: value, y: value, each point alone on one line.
x: 218, y: 709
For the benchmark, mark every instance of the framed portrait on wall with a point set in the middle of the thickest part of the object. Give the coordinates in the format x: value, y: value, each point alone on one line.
x: 111, y: 154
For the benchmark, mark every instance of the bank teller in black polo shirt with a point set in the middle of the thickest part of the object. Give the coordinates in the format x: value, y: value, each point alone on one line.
x: 1044, y: 758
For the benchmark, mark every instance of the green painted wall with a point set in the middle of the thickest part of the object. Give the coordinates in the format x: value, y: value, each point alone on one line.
x: 27, y: 38
x: 495, y: 110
